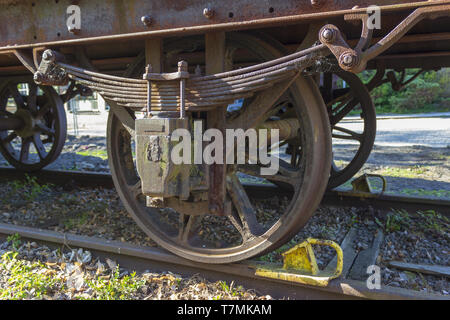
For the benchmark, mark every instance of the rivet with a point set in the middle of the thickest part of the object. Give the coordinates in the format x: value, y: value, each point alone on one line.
x: 146, y: 20
x: 317, y: 3
x: 208, y: 13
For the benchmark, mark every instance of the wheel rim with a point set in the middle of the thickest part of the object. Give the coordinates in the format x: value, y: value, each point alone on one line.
x: 183, y: 236
x: 363, y: 133
x: 41, y: 140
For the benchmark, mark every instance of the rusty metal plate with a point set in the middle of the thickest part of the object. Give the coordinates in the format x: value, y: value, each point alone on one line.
x: 25, y: 23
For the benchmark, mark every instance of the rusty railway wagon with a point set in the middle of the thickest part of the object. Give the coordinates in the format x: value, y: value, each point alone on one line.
x: 161, y: 65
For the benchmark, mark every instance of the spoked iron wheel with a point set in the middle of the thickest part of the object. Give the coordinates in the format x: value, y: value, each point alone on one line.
x: 250, y: 230
x: 343, y: 93
x: 42, y: 133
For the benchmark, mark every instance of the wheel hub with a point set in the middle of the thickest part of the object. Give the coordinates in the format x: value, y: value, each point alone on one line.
x: 29, y: 127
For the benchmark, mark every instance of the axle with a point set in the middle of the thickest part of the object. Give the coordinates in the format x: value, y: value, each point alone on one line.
x: 11, y: 124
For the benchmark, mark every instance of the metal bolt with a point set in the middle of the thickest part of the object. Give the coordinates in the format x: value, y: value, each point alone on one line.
x: 208, y: 13
x: 328, y: 35
x: 38, y: 77
x: 48, y: 55
x: 214, y: 209
x: 348, y: 59
x: 146, y: 20
x: 317, y: 3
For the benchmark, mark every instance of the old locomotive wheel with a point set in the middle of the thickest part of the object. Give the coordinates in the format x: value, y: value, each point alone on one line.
x: 250, y: 230
x: 358, y: 135
x: 39, y: 139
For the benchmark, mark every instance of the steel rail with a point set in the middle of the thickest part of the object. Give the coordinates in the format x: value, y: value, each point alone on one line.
x: 72, y: 179
x: 140, y: 259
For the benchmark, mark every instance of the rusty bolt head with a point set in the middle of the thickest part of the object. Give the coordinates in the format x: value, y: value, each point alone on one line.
x: 38, y: 77
x: 182, y: 66
x: 348, y: 60
x: 146, y: 20
x: 48, y: 55
x: 213, y: 209
x: 73, y: 30
x: 328, y: 35
x: 317, y: 3
x: 208, y: 13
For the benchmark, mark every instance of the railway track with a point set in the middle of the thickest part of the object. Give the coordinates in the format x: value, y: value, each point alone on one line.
x: 332, y: 198
x: 142, y: 258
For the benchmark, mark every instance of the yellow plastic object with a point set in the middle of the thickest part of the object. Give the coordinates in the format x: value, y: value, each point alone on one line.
x: 299, y: 265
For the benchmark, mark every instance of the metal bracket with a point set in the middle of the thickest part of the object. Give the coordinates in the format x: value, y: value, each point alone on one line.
x: 181, y: 75
x: 49, y: 73
x: 355, y: 60
x: 362, y: 185
x: 299, y: 265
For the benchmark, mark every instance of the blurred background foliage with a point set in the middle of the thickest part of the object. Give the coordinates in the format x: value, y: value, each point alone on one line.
x: 429, y: 92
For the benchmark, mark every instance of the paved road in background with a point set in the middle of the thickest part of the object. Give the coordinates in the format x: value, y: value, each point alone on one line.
x: 430, y: 131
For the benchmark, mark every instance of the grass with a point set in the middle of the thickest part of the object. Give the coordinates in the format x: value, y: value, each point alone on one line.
x: 103, y: 154
x: 116, y: 288
x: 429, y: 220
x: 380, y: 110
x: 15, y: 241
x: 426, y: 193
x: 230, y: 289
x: 434, y: 221
x: 26, y: 279
x: 409, y: 172
x: 29, y: 189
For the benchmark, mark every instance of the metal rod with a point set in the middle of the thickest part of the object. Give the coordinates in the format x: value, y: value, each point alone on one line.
x: 11, y: 123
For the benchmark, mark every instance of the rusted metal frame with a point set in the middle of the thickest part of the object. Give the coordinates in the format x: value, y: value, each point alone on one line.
x: 406, y: 25
x: 166, y: 21
x: 26, y: 58
x: 414, y: 38
x: 355, y: 60
x: 215, y: 63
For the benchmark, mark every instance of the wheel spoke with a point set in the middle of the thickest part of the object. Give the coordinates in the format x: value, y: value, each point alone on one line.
x: 43, y: 111
x: 39, y: 146
x: 336, y: 118
x: 9, y: 138
x: 45, y: 130
x: 286, y: 174
x: 18, y: 99
x: 25, y: 150
x: 136, y: 189
x: 351, y: 135
x: 246, y: 222
x: 32, y: 97
x: 186, y: 224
